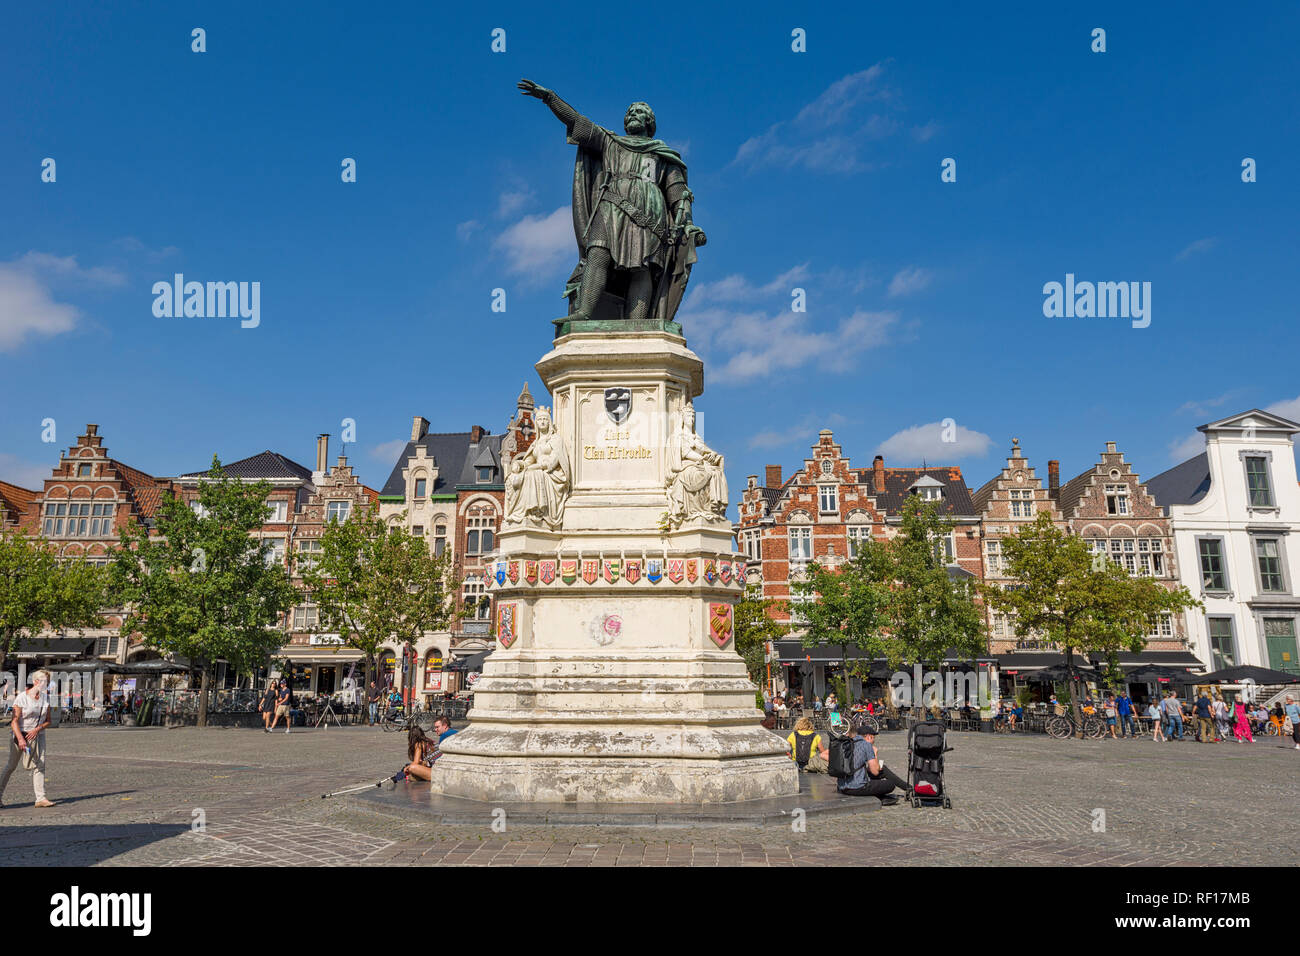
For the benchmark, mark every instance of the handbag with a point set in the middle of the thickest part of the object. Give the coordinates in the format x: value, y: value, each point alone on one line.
x: 32, y: 754
x: 1288, y: 728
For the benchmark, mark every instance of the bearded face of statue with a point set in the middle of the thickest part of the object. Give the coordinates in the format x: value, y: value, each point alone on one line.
x: 639, y: 120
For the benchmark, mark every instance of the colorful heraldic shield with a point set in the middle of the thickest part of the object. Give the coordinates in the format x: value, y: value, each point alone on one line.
x: 710, y: 575
x: 513, y: 572
x: 724, y: 571
x: 568, y: 571
x: 506, y: 623
x: 530, y: 572
x: 676, y: 567
x: 612, y: 568
x: 499, y: 572
x: 547, y: 571
x: 692, y: 569
x: 590, y: 570
x: 632, y: 570
x: 720, y: 623
x: 654, y: 570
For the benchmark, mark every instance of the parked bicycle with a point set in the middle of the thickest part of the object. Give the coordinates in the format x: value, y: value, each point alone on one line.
x: 1061, y: 726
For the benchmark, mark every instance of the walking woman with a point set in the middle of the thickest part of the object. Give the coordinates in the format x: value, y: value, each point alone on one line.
x: 1223, y: 718
x: 27, y: 741
x: 1242, y: 729
x: 1292, y: 711
x: 1157, y: 724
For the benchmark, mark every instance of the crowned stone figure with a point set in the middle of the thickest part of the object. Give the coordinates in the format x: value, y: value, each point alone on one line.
x: 539, y: 481
x: 697, y: 484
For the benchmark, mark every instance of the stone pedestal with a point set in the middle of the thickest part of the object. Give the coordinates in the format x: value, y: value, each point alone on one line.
x: 616, y: 678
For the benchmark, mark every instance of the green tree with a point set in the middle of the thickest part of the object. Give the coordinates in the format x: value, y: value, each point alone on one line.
x: 37, y: 591
x: 200, y: 586
x: 373, y: 583
x: 896, y: 599
x: 1080, y: 604
x: 754, y: 627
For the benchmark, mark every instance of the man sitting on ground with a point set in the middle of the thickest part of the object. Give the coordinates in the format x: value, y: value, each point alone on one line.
x: 870, y: 777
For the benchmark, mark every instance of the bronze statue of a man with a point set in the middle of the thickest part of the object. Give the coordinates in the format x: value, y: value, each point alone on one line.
x: 631, y: 214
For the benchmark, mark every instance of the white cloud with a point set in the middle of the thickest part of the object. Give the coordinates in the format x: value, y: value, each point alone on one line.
x: 1290, y: 408
x: 1203, y: 407
x: 389, y: 450
x: 28, y: 309
x: 511, y: 201
x: 467, y: 229
x: 799, y: 432
x: 785, y: 341
x: 1187, y: 447
x: 737, y: 288
x: 1200, y: 245
x: 25, y: 474
x: 908, y: 281
x: 829, y: 133
x: 923, y: 134
x: 27, y: 305
x: 66, y: 267
x: 133, y: 245
x: 926, y: 443
x: 537, y: 245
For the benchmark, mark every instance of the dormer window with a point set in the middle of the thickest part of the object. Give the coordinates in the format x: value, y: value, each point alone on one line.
x: 927, y: 488
x: 83, y: 471
x: 484, y: 475
x: 931, y: 494
x: 827, y: 499
x: 421, y: 486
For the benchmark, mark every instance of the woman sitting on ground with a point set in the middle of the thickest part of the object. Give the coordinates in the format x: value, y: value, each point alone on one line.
x: 422, y: 751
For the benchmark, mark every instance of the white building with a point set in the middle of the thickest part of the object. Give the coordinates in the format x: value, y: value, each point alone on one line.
x: 1235, y: 510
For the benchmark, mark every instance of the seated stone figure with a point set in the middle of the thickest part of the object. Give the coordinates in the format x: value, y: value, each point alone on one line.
x: 539, y: 480
x: 697, y: 484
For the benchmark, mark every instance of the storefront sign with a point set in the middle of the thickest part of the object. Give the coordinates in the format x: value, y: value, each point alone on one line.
x: 318, y: 639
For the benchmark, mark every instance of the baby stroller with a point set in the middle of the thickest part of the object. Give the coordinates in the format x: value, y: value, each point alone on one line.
x: 926, y: 744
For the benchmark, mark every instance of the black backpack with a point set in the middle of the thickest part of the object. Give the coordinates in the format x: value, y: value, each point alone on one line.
x: 803, y: 747
x: 840, y: 763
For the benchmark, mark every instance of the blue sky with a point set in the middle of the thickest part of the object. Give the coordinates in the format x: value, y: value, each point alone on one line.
x: 817, y: 170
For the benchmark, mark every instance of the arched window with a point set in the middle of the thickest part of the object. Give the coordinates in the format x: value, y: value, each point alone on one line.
x: 439, y: 538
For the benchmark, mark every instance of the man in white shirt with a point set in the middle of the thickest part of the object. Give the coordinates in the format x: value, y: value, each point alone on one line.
x: 31, y: 717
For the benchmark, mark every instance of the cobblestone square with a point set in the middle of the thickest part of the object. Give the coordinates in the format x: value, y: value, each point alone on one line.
x: 228, y: 797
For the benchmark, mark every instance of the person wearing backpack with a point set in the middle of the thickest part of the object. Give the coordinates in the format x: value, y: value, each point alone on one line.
x: 806, y: 747
x: 860, y: 770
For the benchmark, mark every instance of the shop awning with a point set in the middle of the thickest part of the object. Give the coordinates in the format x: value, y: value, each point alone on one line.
x: 472, y: 663
x: 794, y: 652
x: 53, y: 647
x: 1027, y: 662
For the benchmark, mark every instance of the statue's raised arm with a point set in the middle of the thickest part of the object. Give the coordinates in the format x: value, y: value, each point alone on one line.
x: 632, y: 218
x: 565, y: 113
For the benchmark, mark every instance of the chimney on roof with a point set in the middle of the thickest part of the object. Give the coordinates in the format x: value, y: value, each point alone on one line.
x: 772, y: 476
x: 878, y: 474
x: 92, y: 429
x: 419, y: 428
x: 1110, y: 448
x: 1053, y: 478
x: 343, y: 461
x: 476, y: 434
x: 322, y: 452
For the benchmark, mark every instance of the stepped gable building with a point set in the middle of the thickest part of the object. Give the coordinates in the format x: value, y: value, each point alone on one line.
x: 1235, y: 512
x: 449, y: 487
x: 15, y: 506
x: 827, y: 508
x: 1005, y: 503
x: 300, y: 502
x: 86, y: 502
x: 1110, y: 508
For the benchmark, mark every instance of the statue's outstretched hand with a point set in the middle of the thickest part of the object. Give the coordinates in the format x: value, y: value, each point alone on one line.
x: 695, y: 231
x: 529, y: 88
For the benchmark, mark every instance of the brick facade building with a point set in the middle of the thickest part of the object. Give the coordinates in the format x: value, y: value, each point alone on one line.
x: 823, y: 512
x: 1109, y: 507
x: 1007, y: 502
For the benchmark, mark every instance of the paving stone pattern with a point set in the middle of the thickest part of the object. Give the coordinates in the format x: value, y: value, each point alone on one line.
x: 235, y: 797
